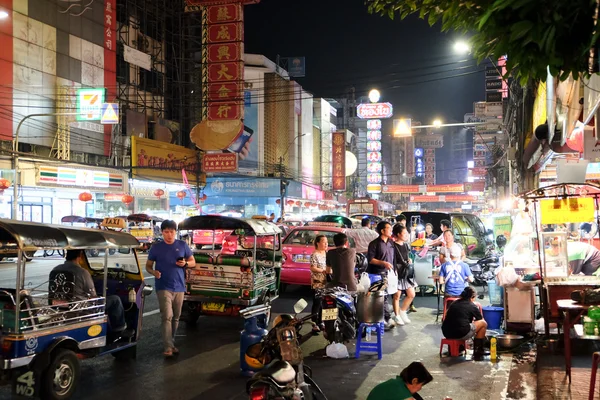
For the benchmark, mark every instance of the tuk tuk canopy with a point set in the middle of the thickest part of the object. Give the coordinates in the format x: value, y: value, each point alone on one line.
x: 30, y: 236
x: 256, y: 227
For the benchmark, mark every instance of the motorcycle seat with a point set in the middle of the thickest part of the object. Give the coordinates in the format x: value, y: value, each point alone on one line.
x: 281, y: 372
x: 470, y: 262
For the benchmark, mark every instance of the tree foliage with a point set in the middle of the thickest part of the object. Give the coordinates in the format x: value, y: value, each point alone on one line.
x: 534, y: 34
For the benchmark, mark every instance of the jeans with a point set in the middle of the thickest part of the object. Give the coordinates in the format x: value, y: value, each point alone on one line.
x: 386, y: 311
x: 115, y: 313
x: 170, y: 304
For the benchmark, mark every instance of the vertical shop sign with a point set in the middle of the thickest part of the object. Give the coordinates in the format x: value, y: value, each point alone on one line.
x: 339, y: 160
x: 110, y: 61
x: 409, y: 161
x: 429, y: 178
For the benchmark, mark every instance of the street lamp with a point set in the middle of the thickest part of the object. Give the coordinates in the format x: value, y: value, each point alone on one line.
x: 374, y: 96
x: 437, y: 123
x: 462, y: 47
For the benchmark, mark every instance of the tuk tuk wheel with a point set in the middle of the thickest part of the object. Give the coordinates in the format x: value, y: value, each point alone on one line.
x: 60, y: 378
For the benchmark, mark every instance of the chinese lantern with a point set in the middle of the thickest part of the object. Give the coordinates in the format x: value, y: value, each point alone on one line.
x: 278, y: 201
x: 4, y: 184
x: 204, y: 197
x: 298, y: 203
x: 85, y: 196
x: 127, y: 199
x: 159, y: 192
x: 290, y: 202
x: 181, y: 195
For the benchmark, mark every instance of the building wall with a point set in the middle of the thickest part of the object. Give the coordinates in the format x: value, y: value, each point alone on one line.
x: 322, y: 113
x: 308, y: 140
x: 316, y: 159
x: 255, y: 119
x: 277, y: 121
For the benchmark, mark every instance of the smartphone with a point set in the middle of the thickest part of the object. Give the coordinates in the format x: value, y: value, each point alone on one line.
x: 240, y: 141
x: 180, y: 259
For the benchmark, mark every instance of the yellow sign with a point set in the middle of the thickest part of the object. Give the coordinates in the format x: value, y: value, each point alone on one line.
x: 564, y: 211
x: 114, y: 223
x: 94, y: 330
x: 152, y: 159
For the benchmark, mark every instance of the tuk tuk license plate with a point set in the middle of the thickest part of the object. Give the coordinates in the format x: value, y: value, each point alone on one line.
x: 329, y: 314
x: 301, y: 258
x: 215, y: 307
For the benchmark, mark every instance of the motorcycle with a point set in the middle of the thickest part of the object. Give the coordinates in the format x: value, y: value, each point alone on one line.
x: 338, y: 314
x: 484, y: 269
x: 287, y: 378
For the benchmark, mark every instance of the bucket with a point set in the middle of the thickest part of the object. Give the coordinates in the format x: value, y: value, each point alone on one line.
x: 493, y: 316
x: 369, y: 307
x: 496, y: 293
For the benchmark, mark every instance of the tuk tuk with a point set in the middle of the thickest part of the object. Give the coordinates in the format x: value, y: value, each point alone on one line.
x: 143, y: 229
x: 44, y: 330
x: 243, y: 270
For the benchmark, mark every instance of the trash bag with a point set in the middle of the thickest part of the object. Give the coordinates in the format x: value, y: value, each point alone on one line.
x: 364, y: 280
x: 506, y: 276
x: 392, y: 284
x: 336, y: 350
x: 360, y: 288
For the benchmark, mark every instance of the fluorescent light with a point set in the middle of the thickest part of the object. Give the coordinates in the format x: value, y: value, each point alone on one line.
x: 3, y: 14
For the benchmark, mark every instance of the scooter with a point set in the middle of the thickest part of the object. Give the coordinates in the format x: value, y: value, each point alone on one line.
x: 287, y: 378
x: 338, y: 315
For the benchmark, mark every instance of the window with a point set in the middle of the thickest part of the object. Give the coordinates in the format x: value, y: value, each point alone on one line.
x: 307, y: 237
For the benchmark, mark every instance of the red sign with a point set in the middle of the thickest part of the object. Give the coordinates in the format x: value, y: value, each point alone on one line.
x: 478, y: 186
x: 225, y: 91
x: 222, y: 33
x: 442, y: 198
x: 338, y: 157
x: 225, y: 111
x: 223, y: 52
x: 478, y: 171
x: 220, y: 162
x: 374, y: 110
x: 110, y: 61
x: 222, y: 72
x: 409, y: 162
x: 225, y: 13
x: 452, y: 188
x: 403, y: 189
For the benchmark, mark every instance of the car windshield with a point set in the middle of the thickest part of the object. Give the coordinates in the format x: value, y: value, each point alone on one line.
x: 307, y: 237
x: 118, y: 261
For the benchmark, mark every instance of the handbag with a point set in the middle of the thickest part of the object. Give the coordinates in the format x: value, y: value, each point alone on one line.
x: 405, y: 268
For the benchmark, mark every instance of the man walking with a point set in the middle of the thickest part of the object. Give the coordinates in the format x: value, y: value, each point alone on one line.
x: 171, y: 257
x: 381, y: 260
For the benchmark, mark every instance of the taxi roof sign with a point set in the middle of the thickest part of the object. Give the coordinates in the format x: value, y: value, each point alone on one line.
x: 114, y: 223
x: 318, y: 223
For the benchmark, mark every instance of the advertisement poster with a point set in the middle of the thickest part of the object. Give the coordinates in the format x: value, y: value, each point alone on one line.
x: 248, y: 160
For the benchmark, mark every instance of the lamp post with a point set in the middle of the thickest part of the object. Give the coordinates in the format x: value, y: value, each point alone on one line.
x: 15, y: 204
x: 282, y: 185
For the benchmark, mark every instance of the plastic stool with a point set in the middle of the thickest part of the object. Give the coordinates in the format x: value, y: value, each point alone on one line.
x: 453, y: 346
x: 595, y: 362
x: 446, y: 301
x: 369, y: 346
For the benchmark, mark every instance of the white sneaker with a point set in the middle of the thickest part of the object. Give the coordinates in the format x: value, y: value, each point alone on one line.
x: 389, y: 325
x: 398, y: 320
x: 404, y: 317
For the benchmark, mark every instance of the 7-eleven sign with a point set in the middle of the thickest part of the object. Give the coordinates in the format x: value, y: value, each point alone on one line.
x: 89, y: 104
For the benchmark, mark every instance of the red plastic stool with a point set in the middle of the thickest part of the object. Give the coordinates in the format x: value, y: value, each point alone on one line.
x: 595, y: 362
x: 446, y: 301
x: 453, y: 346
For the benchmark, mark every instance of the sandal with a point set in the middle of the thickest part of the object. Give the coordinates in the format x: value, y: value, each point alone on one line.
x: 175, y: 350
x: 168, y: 353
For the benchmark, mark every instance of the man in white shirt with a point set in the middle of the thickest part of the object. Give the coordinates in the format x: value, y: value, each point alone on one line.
x: 362, y: 236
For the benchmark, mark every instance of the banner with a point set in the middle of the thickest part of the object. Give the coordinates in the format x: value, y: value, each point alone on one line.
x: 451, y: 188
x: 564, y: 211
x: 151, y: 159
x: 338, y: 158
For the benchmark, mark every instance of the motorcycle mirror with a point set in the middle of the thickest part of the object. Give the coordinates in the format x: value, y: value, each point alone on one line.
x: 300, y: 305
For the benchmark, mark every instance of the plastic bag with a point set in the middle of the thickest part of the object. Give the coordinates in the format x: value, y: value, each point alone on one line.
x: 392, y: 282
x: 364, y: 280
x: 360, y: 288
x: 506, y: 276
x: 336, y: 350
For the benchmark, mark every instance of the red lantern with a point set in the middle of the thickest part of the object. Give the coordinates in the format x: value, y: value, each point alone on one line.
x: 127, y: 199
x: 181, y: 194
x: 85, y: 196
x: 159, y: 192
x: 290, y: 202
x: 298, y: 203
x: 278, y: 201
x: 4, y: 184
x: 204, y: 197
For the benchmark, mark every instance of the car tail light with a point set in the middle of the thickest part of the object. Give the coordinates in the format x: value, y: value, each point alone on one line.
x: 6, y: 346
x: 259, y: 393
x: 245, y: 293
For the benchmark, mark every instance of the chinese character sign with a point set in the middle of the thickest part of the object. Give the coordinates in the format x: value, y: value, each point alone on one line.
x: 339, y: 160
x: 110, y: 60
x: 429, y: 166
x: 374, y: 166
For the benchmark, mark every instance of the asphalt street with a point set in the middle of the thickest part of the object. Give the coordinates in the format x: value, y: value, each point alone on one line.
x: 208, y: 365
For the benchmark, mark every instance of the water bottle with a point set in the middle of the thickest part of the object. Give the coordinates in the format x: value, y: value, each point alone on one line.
x: 132, y: 295
x: 493, y: 352
x: 368, y: 334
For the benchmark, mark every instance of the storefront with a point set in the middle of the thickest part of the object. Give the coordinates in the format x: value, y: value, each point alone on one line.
x: 50, y: 191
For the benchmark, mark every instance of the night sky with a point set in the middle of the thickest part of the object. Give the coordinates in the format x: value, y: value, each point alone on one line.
x: 345, y: 46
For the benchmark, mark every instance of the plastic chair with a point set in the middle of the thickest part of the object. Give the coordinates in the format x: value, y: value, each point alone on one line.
x: 453, y: 346
x: 369, y: 346
x: 446, y: 301
x: 595, y: 362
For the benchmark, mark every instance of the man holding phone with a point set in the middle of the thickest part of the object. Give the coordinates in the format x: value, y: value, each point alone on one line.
x: 171, y: 257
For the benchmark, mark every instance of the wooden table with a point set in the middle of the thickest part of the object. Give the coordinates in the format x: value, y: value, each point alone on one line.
x: 573, y: 312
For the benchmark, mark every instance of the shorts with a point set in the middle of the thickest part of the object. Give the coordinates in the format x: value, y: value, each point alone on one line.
x: 471, y: 333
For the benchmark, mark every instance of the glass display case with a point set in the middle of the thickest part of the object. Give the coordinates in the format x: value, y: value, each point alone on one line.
x: 555, y: 256
x: 521, y: 254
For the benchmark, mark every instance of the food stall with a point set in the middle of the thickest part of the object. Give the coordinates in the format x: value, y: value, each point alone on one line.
x: 549, y: 254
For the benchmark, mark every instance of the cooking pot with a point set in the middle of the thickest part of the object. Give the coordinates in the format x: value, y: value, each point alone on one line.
x: 509, y: 341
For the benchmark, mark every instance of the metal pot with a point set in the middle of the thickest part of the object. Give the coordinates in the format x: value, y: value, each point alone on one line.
x: 509, y: 341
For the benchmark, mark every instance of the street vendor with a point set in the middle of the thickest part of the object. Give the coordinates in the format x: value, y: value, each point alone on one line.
x: 583, y: 257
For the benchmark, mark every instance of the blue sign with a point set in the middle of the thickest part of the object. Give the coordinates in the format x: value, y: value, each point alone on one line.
x: 418, y: 152
x: 296, y: 67
x: 110, y: 113
x: 242, y: 187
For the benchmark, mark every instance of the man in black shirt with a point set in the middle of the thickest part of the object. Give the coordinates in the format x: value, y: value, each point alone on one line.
x: 381, y: 259
x: 463, y: 321
x: 341, y: 261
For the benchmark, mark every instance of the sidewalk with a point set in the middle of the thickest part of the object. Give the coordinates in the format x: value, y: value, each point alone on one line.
x: 552, y: 379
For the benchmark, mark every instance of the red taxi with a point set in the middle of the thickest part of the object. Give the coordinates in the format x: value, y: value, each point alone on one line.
x: 205, y: 238
x: 297, y: 247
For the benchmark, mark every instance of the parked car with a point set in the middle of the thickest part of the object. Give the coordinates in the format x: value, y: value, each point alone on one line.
x: 297, y: 247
